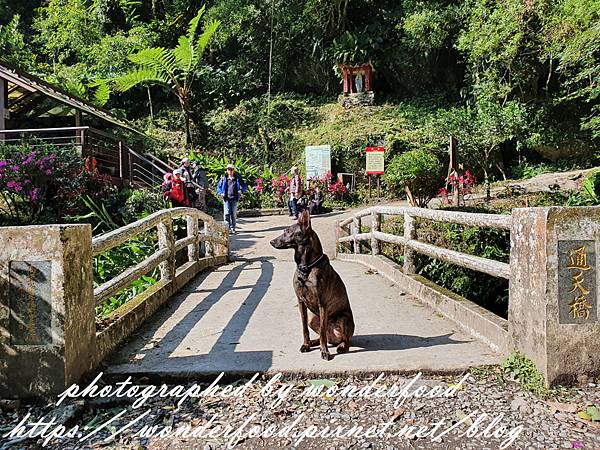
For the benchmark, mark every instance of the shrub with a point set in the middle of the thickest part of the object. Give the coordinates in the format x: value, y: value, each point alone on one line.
x: 140, y: 203
x: 420, y: 171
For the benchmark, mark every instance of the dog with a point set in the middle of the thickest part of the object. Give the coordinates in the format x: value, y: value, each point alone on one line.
x: 322, y: 296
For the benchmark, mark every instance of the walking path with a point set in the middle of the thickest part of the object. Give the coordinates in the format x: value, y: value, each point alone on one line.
x: 242, y: 318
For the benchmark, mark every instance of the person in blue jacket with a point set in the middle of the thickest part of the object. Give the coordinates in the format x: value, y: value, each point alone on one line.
x: 230, y: 189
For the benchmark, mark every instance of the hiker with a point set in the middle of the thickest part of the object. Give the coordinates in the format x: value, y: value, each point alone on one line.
x: 186, y: 176
x: 316, y: 202
x: 295, y: 193
x: 174, y: 189
x: 230, y: 189
x: 201, y: 184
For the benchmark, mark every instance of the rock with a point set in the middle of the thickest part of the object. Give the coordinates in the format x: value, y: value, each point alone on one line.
x: 517, y: 403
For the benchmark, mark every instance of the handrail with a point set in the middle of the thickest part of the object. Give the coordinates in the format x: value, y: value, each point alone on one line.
x: 161, y: 162
x: 31, y: 130
x: 499, y: 221
x: 411, y: 244
x: 213, y: 234
x: 146, y: 160
x: 111, y: 239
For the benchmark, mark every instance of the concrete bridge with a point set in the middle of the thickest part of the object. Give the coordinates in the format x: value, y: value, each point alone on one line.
x: 230, y: 305
x: 243, y: 318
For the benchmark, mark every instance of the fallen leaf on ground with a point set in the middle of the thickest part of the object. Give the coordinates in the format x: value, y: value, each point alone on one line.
x: 594, y: 413
x: 323, y: 382
x: 584, y: 415
x: 398, y: 413
x: 562, y: 407
x: 461, y: 415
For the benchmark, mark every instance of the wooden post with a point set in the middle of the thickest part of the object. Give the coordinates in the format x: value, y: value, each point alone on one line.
x: 129, y: 159
x: 409, y: 255
x: 192, y: 230
x: 78, y: 133
x: 369, y: 177
x: 3, y: 107
x: 121, y: 160
x: 375, y: 226
x: 378, y: 186
x: 453, y: 168
x: 166, y: 239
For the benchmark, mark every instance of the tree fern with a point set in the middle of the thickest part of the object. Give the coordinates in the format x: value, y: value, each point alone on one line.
x: 141, y: 75
x: 184, y: 55
x: 174, y: 68
x: 205, y: 38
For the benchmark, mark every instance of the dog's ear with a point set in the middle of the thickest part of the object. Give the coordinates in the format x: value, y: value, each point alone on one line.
x: 304, y: 220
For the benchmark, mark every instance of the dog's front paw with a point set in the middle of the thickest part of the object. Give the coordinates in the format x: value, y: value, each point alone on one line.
x: 326, y: 355
x: 342, y: 348
x: 305, y: 348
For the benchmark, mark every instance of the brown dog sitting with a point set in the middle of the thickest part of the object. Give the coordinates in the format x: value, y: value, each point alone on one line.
x: 321, y: 293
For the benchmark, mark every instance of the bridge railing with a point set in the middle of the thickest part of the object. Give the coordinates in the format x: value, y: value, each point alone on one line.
x: 214, y: 236
x: 50, y: 335
x: 349, y: 230
x: 207, y: 243
x: 552, y: 278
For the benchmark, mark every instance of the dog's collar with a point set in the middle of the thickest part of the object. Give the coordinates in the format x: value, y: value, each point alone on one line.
x: 306, y: 268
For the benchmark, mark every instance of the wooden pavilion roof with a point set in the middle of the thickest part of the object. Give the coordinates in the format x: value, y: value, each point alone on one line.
x: 26, y: 92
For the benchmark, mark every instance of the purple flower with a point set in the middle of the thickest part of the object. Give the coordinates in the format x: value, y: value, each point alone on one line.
x: 48, y: 172
x: 35, y: 194
x: 14, y: 168
x: 15, y: 186
x: 577, y: 444
x: 3, y: 163
x: 30, y: 158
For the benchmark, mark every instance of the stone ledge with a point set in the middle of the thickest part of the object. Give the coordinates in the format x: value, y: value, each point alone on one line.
x: 472, y: 318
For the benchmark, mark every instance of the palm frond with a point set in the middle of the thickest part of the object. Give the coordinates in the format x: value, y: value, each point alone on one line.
x: 199, y: 46
x: 140, y: 75
x: 184, y: 54
x: 194, y: 24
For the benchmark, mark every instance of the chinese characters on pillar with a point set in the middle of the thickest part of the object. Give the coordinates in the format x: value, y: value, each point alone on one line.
x: 30, y: 320
x: 577, y: 282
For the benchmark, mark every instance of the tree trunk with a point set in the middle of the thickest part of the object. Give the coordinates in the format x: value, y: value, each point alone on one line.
x: 188, y: 134
x: 488, y: 195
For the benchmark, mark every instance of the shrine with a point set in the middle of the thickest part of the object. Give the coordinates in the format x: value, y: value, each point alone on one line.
x: 357, y: 83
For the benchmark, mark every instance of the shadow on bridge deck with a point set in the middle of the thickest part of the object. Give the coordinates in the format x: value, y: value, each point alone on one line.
x: 242, y: 318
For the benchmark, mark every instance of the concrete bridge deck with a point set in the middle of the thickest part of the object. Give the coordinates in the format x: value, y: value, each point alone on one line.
x: 242, y: 318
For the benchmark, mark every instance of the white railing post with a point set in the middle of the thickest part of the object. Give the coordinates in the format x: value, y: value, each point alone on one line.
x: 375, y: 226
x: 166, y: 239
x: 192, y: 230
x: 209, y: 247
x: 409, y: 234
x: 356, y: 223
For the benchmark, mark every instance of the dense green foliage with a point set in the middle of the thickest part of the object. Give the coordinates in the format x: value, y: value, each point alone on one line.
x: 418, y: 170
x: 510, y: 76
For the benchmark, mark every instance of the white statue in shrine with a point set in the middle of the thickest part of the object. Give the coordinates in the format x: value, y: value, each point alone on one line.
x: 358, y: 81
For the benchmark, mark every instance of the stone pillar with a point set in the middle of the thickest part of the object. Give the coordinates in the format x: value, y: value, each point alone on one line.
x: 47, y: 324
x: 553, y: 307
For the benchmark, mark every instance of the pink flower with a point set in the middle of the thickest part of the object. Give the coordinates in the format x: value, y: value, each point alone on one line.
x: 15, y: 186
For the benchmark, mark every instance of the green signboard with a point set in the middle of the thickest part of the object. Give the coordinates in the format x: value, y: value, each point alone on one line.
x: 318, y: 160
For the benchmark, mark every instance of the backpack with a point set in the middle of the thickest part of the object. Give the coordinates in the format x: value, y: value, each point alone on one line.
x: 166, y: 186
